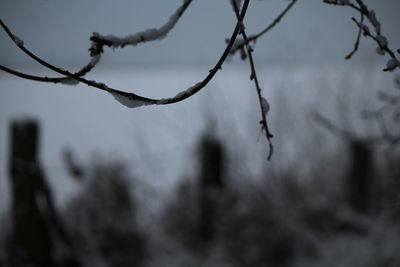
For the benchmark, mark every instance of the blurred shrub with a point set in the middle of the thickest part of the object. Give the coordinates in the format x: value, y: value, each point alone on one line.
x: 102, y: 217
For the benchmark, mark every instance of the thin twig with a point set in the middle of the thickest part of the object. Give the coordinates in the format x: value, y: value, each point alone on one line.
x: 134, y: 99
x: 240, y: 44
x: 253, y: 76
x: 393, y: 63
x: 348, y: 135
x: 357, y: 42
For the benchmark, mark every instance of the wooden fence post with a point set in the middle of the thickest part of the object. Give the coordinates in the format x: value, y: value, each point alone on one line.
x: 30, y: 243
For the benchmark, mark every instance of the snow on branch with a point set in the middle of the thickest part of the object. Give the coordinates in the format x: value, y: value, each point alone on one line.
x: 130, y: 99
x: 96, y: 48
x: 143, y: 36
x: 375, y: 34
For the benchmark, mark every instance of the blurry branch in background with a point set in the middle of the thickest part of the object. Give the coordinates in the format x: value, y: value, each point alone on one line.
x: 241, y: 43
x: 391, y: 109
x: 346, y: 135
x: 264, y: 105
x: 74, y: 168
x: 332, y: 128
x: 375, y: 34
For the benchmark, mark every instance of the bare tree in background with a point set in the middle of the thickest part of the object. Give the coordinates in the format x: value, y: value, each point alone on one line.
x: 368, y: 26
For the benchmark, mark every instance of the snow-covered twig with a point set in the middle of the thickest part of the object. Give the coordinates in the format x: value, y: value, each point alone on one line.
x: 143, y: 36
x: 240, y: 43
x: 64, y: 80
x: 96, y: 48
x: 264, y: 106
x: 131, y: 99
x: 375, y: 34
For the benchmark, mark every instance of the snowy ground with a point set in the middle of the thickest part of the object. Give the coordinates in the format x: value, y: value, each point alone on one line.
x: 159, y: 140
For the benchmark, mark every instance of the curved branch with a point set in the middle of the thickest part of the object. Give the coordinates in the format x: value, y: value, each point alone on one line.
x: 96, y: 48
x: 131, y: 99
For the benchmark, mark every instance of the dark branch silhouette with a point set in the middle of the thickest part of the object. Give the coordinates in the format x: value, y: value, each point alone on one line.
x: 240, y: 44
x: 264, y: 106
x: 131, y: 99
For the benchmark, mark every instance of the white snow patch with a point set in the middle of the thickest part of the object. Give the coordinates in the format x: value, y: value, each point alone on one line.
x: 147, y: 35
x: 382, y: 40
x: 179, y: 95
x: 126, y: 101
x: 265, y: 106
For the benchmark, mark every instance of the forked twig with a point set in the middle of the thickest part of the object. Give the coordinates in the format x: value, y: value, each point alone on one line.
x: 240, y: 43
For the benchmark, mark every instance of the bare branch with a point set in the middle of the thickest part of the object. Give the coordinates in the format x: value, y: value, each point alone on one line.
x: 240, y: 43
x: 264, y: 106
x: 131, y: 99
x: 356, y: 44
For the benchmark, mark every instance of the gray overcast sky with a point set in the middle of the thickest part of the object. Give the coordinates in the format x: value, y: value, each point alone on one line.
x: 59, y: 30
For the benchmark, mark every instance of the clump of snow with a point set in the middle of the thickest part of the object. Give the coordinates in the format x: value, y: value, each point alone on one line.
x: 127, y: 101
x: 265, y: 106
x: 392, y: 64
x: 374, y: 21
x: 190, y: 91
x: 382, y: 40
x: 147, y: 35
x: 18, y: 41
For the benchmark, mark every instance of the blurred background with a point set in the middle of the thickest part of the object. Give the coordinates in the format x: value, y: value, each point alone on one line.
x: 188, y: 184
